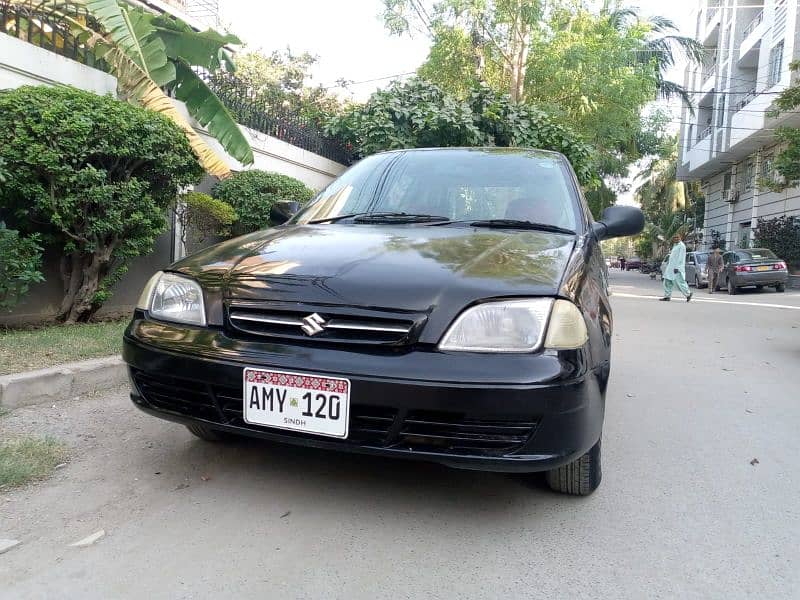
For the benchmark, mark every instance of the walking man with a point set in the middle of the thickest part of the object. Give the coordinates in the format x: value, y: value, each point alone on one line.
x: 675, y: 273
x: 714, y: 269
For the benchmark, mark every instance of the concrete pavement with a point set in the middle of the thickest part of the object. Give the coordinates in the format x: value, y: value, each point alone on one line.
x: 698, y: 391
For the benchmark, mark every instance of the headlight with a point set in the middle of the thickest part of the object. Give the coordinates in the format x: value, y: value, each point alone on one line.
x: 517, y: 326
x: 510, y: 326
x: 175, y: 298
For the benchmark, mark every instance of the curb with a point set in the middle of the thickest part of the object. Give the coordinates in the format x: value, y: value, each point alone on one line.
x: 62, y: 382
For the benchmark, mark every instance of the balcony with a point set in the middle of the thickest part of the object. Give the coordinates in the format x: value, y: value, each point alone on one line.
x: 751, y: 41
x: 710, y: 33
x: 745, y: 99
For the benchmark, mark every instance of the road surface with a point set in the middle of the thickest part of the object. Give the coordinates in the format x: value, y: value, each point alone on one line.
x: 699, y: 496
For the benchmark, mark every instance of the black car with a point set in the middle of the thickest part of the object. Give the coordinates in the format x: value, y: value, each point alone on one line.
x: 449, y: 305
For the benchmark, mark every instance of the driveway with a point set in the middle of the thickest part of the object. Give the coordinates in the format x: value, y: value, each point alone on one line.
x: 698, y: 500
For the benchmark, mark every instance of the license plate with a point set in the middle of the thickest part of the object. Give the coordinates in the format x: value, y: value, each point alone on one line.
x: 298, y: 401
x: 763, y: 268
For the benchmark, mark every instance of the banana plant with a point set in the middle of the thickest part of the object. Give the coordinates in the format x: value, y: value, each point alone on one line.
x: 152, y: 56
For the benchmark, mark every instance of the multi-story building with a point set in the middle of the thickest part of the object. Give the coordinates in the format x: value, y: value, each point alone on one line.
x: 728, y: 142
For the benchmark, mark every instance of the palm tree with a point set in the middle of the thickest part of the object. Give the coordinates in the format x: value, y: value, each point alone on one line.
x: 153, y: 56
x: 660, y: 49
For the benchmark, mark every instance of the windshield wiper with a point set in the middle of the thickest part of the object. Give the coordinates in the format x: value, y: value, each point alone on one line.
x: 518, y: 224
x: 381, y: 217
x: 334, y: 219
x: 397, y: 217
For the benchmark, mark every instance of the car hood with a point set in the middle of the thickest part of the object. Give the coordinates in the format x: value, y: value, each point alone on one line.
x: 404, y: 267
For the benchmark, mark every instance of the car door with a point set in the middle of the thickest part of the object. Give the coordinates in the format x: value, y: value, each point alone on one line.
x: 690, y: 268
x: 727, y: 260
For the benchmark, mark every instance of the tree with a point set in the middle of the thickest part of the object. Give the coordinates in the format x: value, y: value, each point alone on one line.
x: 202, y: 216
x: 419, y: 114
x: 496, y: 33
x: 591, y: 70
x: 252, y: 193
x: 280, y: 79
x: 95, y: 176
x: 782, y: 236
x: 20, y: 265
x: 152, y: 56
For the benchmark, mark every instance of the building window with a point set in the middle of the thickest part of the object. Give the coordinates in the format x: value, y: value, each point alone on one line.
x: 744, y: 235
x: 721, y: 111
x: 775, y: 64
x: 726, y: 187
x: 767, y: 168
x: 749, y: 175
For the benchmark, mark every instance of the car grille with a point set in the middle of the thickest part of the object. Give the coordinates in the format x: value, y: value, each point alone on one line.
x: 370, y: 425
x: 458, y: 433
x: 321, y: 325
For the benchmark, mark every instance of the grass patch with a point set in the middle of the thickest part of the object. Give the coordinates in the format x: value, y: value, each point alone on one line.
x: 27, y: 458
x: 29, y: 349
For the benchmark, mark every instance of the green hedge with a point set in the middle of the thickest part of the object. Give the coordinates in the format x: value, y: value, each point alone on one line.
x: 252, y: 194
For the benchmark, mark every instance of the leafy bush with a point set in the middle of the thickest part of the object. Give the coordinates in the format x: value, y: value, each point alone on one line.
x: 252, y: 194
x: 95, y: 177
x: 20, y: 264
x: 204, y: 216
x: 782, y: 236
x: 419, y: 114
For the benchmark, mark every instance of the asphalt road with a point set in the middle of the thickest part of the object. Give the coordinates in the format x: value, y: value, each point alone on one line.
x: 698, y: 391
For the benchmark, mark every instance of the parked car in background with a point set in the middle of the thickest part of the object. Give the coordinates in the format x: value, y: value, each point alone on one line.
x: 633, y: 263
x: 448, y: 305
x: 754, y: 267
x: 697, y: 269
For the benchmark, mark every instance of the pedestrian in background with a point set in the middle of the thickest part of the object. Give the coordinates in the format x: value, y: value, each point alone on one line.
x: 714, y: 269
x: 622, y: 263
x: 675, y: 273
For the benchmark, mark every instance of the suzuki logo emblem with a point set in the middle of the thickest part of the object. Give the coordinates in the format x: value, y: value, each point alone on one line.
x: 313, y: 324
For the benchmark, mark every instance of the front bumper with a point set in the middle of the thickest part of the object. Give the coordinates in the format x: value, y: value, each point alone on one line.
x: 497, y: 413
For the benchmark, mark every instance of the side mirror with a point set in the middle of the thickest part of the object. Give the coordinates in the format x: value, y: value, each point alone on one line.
x: 619, y: 221
x: 280, y: 212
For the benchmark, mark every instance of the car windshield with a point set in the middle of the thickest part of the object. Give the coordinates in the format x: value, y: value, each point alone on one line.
x: 455, y: 184
x: 701, y: 257
x: 760, y: 254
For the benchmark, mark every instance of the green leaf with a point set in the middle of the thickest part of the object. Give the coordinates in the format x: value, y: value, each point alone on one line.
x: 200, y: 49
x: 209, y: 111
x: 132, y: 30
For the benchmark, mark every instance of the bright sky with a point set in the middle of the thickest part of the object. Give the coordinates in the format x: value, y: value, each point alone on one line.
x: 349, y: 38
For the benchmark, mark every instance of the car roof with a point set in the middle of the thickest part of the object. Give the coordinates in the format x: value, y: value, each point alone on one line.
x: 485, y: 149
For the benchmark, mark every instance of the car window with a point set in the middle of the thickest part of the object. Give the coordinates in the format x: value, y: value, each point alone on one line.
x: 757, y: 254
x: 690, y: 259
x: 460, y: 184
x: 701, y: 257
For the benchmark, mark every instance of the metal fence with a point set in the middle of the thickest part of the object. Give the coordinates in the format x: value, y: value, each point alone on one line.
x: 34, y: 24
x: 269, y: 116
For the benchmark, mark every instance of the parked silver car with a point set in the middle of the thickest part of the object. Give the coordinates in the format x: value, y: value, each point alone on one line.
x: 757, y: 267
x: 697, y: 269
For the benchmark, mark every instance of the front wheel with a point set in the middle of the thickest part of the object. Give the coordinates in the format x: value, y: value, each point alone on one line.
x: 781, y: 287
x: 206, y: 433
x: 580, y: 477
x: 697, y: 282
x: 731, y: 288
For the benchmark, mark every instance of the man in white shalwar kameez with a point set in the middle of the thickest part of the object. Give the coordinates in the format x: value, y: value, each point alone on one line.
x: 675, y: 272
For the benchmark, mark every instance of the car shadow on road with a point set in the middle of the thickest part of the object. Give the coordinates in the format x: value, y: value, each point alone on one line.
x: 345, y: 477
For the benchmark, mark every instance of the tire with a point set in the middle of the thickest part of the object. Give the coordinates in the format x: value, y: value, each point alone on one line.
x: 759, y: 287
x: 580, y: 477
x: 780, y: 287
x: 206, y: 433
x: 731, y: 288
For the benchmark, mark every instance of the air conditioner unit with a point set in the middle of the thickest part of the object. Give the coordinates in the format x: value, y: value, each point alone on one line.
x: 730, y: 196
